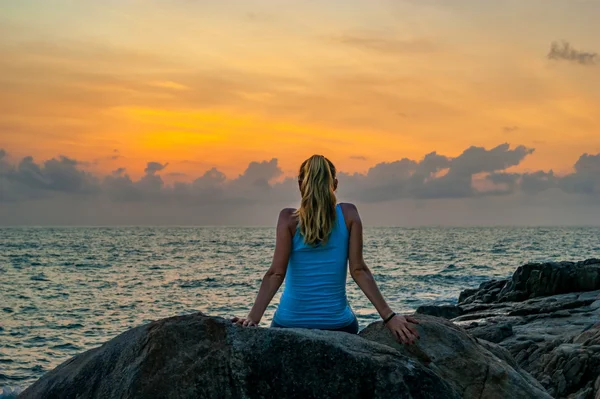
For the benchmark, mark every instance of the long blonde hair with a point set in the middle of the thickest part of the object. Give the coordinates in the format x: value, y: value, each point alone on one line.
x: 317, y: 215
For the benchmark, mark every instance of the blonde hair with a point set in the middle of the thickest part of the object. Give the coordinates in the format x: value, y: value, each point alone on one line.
x: 317, y: 215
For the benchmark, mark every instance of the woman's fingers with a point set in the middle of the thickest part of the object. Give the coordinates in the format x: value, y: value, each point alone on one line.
x: 402, y: 335
x: 234, y: 319
x: 411, y: 319
x: 409, y: 336
x: 413, y: 330
x: 398, y: 336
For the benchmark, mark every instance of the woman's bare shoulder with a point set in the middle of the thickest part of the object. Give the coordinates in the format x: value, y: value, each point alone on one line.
x: 349, y: 209
x: 288, y: 216
x: 348, y: 205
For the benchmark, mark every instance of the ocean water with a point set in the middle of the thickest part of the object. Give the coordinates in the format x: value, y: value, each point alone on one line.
x: 65, y: 290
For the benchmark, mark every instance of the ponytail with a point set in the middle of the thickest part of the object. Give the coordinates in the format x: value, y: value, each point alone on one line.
x: 317, y: 215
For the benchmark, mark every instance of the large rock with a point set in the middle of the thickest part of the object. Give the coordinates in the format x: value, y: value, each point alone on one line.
x: 554, y: 278
x: 462, y: 361
x: 196, y: 356
x: 547, y: 317
x: 486, y: 293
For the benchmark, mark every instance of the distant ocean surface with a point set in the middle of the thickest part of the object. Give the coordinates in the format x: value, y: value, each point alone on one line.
x: 65, y: 290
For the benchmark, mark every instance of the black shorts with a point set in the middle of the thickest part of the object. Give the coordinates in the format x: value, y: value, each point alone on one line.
x: 351, y: 328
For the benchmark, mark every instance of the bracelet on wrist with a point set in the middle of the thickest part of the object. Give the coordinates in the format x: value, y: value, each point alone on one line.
x: 390, y: 317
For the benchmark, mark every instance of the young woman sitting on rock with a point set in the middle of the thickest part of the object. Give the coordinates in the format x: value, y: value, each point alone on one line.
x: 314, y: 245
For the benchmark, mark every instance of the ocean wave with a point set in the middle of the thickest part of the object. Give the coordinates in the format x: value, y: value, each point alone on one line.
x: 39, y: 277
x: 10, y: 392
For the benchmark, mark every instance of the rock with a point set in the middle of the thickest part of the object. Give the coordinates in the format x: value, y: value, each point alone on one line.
x: 492, y: 332
x: 544, y: 279
x: 499, y: 352
x: 462, y: 361
x: 196, y: 356
x: 555, y: 321
x: 445, y: 311
x: 487, y: 292
x: 467, y: 294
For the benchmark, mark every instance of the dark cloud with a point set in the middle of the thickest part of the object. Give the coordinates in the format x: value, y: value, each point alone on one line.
x: 533, y: 183
x: 510, y: 179
x: 510, y: 129
x: 458, y: 182
x: 29, y: 180
x: 586, y: 179
x: 259, y: 174
x: 476, y: 173
x: 385, y: 45
x: 565, y: 51
x: 358, y: 157
x: 154, y: 167
x: 407, y: 178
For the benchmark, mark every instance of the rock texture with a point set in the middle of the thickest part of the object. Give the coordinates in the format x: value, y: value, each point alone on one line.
x: 467, y: 366
x: 547, y: 316
x: 196, y: 356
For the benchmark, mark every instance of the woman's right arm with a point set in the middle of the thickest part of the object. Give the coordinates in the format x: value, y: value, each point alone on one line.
x: 399, y: 325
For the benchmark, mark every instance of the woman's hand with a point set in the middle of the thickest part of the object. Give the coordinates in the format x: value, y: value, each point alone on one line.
x: 245, y: 321
x: 402, y: 329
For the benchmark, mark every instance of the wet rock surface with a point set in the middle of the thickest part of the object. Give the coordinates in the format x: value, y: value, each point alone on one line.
x: 197, y: 356
x: 472, y: 369
x: 547, y: 316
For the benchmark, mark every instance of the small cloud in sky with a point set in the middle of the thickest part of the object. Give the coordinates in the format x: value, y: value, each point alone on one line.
x: 358, y: 157
x: 154, y: 167
x: 510, y: 129
x: 566, y: 52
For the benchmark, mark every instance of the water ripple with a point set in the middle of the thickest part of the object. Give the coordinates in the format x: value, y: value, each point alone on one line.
x: 66, y: 290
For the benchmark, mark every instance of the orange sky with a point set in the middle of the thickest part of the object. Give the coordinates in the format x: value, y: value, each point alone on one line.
x: 199, y: 84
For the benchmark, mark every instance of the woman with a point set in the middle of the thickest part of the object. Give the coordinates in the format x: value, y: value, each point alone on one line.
x: 313, y: 246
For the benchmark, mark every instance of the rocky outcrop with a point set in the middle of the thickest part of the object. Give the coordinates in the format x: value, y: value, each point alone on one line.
x: 547, y: 316
x: 538, y: 280
x: 446, y: 312
x: 460, y: 360
x: 196, y: 356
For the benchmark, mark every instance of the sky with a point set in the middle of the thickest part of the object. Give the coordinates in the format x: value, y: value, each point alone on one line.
x: 194, y: 112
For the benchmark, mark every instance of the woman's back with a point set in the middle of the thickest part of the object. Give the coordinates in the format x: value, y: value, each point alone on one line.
x: 315, y: 283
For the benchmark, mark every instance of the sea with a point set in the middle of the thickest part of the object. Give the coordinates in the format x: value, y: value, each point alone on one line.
x: 66, y: 290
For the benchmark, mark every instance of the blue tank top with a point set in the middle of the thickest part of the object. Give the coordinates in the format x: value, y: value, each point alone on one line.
x: 314, y: 294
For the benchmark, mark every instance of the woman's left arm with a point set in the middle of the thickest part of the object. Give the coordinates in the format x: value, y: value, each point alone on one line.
x: 276, y: 273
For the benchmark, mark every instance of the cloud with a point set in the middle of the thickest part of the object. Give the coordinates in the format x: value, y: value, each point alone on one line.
x: 565, y: 51
x: 586, y: 179
x: 510, y: 129
x: 154, y: 167
x: 425, y: 179
x: 358, y: 157
x: 176, y: 174
x: 476, y: 173
x: 385, y: 45
x: 29, y: 180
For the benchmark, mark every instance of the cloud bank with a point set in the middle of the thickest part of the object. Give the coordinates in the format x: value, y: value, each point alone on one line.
x: 478, y: 174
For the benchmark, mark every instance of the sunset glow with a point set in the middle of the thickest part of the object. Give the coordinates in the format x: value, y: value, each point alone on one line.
x: 200, y: 84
